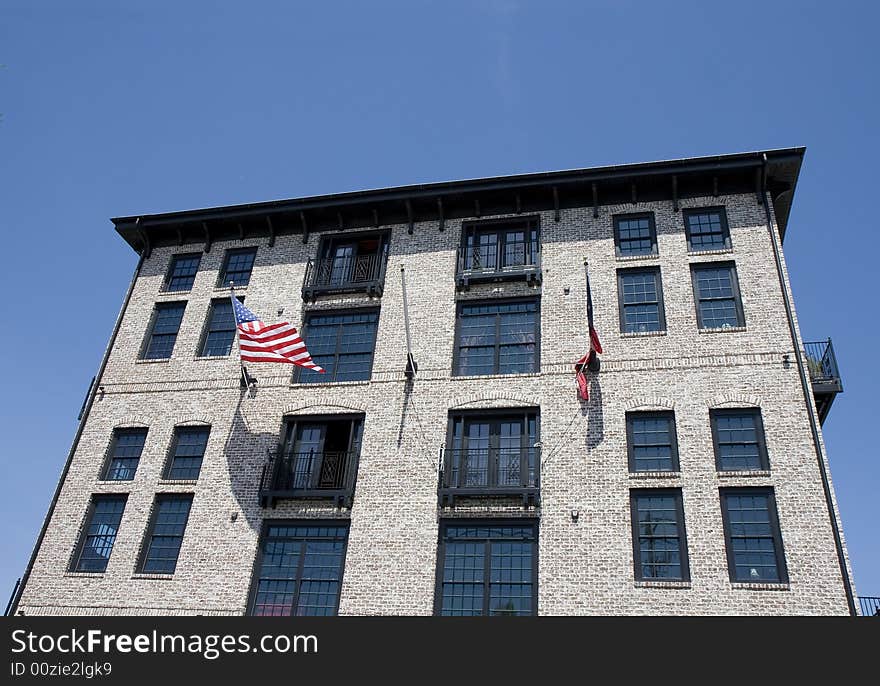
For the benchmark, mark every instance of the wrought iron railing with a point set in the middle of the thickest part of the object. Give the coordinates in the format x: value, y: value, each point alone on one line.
x: 475, y: 472
x: 360, y: 272
x: 821, y: 362
x: 520, y: 259
x: 309, y: 474
x: 869, y: 606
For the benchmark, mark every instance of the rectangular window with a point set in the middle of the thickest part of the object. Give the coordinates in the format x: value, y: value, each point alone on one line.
x: 342, y: 343
x: 187, y: 453
x: 751, y: 532
x: 659, y: 541
x: 163, y: 331
x: 125, y: 453
x: 651, y: 442
x: 487, y: 568
x: 707, y: 229
x: 716, y: 291
x: 165, y: 534
x: 739, y: 440
x: 499, y: 245
x: 299, y: 569
x: 237, y: 267
x: 182, y: 272
x: 220, y: 330
x: 348, y: 262
x: 99, y: 534
x: 635, y: 234
x: 640, y: 296
x: 497, y: 338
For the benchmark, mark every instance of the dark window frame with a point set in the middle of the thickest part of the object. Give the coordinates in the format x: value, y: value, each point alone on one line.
x: 652, y: 234
x: 110, y: 456
x: 320, y: 272
x: 82, y: 536
x: 763, y: 456
x: 487, y: 522
x: 222, y: 275
x: 630, y: 443
x: 725, y: 227
x: 172, y: 450
x: 456, y: 350
x: 258, y: 557
x: 206, y: 328
x: 737, y: 294
x: 499, y: 226
x: 299, y: 371
x: 147, y: 541
x: 148, y: 338
x: 169, y: 275
x: 676, y: 494
x: 776, y: 532
x: 661, y: 308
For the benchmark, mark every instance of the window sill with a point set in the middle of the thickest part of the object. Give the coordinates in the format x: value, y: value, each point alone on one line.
x: 714, y: 251
x: 750, y: 473
x: 225, y: 289
x: 84, y: 575
x: 327, y: 384
x: 158, y: 577
x: 748, y: 586
x: 113, y: 482
x: 471, y: 377
x: 723, y: 329
x: 178, y: 482
x: 204, y: 358
x: 655, y: 475
x: 157, y: 361
x: 179, y: 292
x: 637, y: 258
x: 642, y: 334
x: 663, y: 584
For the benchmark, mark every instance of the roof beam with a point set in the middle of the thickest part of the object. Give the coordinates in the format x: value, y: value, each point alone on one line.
x: 675, y: 193
x: 409, y: 216
x: 207, y: 236
x: 305, y: 226
x: 595, y: 188
x: 440, y: 215
x: 555, y: 204
x: 271, y: 230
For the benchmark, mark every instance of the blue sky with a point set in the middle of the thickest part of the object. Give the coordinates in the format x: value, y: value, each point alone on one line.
x: 157, y: 106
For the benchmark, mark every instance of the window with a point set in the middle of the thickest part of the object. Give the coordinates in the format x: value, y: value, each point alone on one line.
x: 498, y: 245
x: 163, y: 331
x: 717, y: 294
x: 640, y: 296
x: 99, y: 534
x: 497, y: 338
x: 491, y: 453
x: 635, y: 234
x: 707, y: 229
x: 165, y: 534
x: 651, y: 442
x: 348, y: 262
x: 739, y: 440
x: 237, y: 267
x: 342, y: 343
x: 487, y: 568
x: 659, y: 541
x: 220, y: 329
x: 751, y: 532
x: 125, y: 453
x: 182, y: 272
x: 299, y: 569
x: 187, y: 453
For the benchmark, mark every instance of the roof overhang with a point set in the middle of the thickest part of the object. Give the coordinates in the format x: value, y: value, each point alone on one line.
x: 773, y: 171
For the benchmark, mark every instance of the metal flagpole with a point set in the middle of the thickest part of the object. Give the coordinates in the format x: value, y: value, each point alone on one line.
x: 245, y: 378
x: 411, y: 365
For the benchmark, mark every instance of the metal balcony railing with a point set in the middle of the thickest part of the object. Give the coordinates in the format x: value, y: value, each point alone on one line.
x: 348, y: 274
x: 478, y: 472
x: 309, y: 475
x: 869, y: 606
x: 519, y: 260
x: 824, y: 374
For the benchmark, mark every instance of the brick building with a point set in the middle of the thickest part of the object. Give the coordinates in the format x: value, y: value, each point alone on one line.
x: 693, y: 480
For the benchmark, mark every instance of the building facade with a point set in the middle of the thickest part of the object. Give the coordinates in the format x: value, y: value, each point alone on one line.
x: 469, y: 478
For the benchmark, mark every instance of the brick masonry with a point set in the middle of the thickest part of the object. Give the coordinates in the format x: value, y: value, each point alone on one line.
x: 585, y: 566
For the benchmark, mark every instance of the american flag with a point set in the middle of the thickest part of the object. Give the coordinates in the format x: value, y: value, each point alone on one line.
x: 595, y: 347
x: 273, y: 343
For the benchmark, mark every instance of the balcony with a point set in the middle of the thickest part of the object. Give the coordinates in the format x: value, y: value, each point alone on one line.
x: 824, y: 375
x: 309, y: 476
x: 869, y: 606
x: 348, y: 274
x: 492, y: 472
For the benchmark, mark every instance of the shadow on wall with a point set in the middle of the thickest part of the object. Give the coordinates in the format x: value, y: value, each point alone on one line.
x: 592, y: 410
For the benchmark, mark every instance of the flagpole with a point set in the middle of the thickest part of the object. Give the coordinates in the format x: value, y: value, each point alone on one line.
x: 244, y: 376
x: 411, y: 365
x: 592, y: 358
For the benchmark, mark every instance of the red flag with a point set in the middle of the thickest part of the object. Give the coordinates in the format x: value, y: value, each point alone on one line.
x: 588, y: 361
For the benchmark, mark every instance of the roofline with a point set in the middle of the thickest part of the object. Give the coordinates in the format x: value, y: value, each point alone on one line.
x: 561, y: 179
